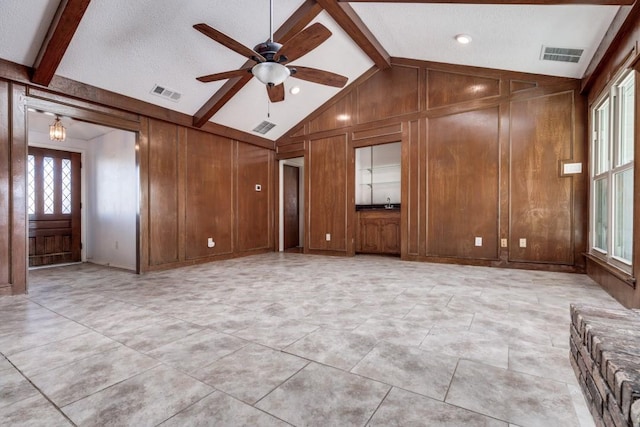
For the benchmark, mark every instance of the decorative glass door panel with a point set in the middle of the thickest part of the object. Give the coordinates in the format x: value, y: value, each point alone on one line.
x: 53, y: 204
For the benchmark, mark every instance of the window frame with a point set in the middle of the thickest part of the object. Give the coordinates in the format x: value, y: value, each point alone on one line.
x: 612, y: 99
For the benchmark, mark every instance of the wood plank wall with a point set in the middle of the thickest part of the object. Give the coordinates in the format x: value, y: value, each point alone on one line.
x: 481, y: 156
x: 622, y: 54
x: 194, y: 184
x: 201, y: 186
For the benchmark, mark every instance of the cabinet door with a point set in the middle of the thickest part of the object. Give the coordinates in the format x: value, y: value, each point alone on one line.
x: 389, y: 232
x: 369, y: 235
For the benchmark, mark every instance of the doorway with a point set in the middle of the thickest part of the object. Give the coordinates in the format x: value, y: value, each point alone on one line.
x: 105, y: 193
x: 292, y: 205
x: 53, y: 204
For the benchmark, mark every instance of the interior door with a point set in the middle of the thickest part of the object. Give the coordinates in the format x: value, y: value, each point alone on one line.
x: 291, y: 187
x: 53, y: 206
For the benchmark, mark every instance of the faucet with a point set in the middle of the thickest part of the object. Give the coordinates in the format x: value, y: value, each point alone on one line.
x: 388, y: 205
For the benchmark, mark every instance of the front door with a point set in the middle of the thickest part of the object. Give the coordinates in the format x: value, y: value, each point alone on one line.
x: 53, y: 206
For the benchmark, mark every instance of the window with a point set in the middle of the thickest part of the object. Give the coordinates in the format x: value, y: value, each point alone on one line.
x: 613, y: 121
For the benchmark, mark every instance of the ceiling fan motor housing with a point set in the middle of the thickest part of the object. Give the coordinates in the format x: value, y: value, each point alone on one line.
x: 268, y: 50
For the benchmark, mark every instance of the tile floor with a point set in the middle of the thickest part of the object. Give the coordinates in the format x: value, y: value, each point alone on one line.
x: 291, y: 339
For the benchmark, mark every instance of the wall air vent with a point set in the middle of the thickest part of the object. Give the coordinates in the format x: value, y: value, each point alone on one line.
x: 264, y: 127
x: 561, y: 54
x: 163, y: 92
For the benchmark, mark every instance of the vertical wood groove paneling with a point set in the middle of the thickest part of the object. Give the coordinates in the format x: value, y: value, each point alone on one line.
x: 5, y: 189
x: 18, y: 176
x: 328, y: 196
x: 163, y: 193
x: 459, y: 167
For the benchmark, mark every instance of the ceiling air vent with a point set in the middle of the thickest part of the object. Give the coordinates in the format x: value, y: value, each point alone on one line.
x: 561, y: 54
x: 264, y: 127
x: 163, y: 92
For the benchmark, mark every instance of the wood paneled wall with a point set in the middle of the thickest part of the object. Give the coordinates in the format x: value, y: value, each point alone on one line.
x: 481, y: 155
x: 327, y: 217
x: 194, y: 184
x: 13, y: 205
x: 202, y: 186
x: 622, y: 54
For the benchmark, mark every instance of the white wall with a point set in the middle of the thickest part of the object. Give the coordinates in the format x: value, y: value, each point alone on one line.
x: 112, y: 200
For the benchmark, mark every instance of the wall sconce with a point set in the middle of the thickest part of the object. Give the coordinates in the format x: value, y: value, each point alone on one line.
x: 57, y: 132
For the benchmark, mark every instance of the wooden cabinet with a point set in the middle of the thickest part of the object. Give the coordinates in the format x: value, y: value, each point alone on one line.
x: 378, y: 232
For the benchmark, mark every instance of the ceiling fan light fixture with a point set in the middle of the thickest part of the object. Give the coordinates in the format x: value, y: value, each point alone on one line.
x: 463, y: 38
x: 271, y: 73
x: 57, y: 132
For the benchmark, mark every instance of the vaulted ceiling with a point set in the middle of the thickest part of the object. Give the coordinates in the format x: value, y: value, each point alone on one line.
x: 128, y: 47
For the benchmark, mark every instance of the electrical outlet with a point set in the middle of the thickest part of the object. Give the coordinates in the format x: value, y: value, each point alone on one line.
x: 210, y: 242
x: 503, y: 243
x: 523, y: 243
x: 478, y: 241
x: 327, y: 237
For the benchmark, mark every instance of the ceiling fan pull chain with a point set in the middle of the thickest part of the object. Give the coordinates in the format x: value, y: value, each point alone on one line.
x: 268, y: 109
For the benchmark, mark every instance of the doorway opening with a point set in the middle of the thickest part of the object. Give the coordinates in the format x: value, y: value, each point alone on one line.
x: 291, y: 208
x: 82, y: 194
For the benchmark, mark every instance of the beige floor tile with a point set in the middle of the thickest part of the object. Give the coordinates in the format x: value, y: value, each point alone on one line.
x: 340, y: 349
x: 320, y: 395
x: 410, y: 368
x: 143, y: 400
x: 221, y: 410
x: 401, y: 408
x: 512, y: 396
x: 251, y: 372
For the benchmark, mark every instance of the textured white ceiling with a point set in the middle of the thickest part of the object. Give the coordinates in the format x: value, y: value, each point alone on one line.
x: 508, y: 37
x: 75, y: 129
x: 128, y: 46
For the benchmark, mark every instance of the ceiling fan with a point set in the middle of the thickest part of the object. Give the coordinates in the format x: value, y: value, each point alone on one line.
x: 271, y: 58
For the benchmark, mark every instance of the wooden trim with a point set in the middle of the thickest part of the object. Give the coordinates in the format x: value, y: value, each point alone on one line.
x: 63, y: 27
x: 294, y: 132
x: 296, y: 23
x: 351, y: 23
x: 616, y: 272
x: 501, y: 2
x: 83, y: 115
x: 18, y: 177
x: 622, y: 24
x: 142, y: 157
x: 71, y: 92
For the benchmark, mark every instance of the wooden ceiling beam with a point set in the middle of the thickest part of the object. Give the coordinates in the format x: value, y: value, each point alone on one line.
x: 292, y: 26
x: 61, y: 31
x: 351, y: 23
x: 510, y: 2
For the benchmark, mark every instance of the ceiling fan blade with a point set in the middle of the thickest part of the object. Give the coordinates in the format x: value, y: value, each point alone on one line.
x: 303, y: 42
x: 222, y: 76
x: 227, y: 41
x: 276, y: 93
x: 319, y: 76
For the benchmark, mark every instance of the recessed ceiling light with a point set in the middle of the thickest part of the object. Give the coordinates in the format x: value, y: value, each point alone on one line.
x: 463, y: 38
x: 295, y: 90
